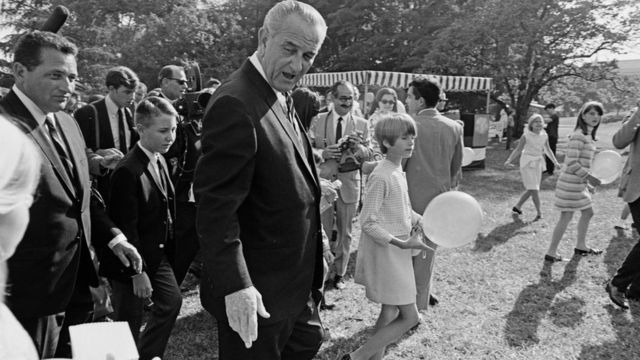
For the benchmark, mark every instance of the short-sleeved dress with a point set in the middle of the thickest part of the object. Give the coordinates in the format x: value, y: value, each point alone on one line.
x: 532, y: 162
x: 385, y: 270
x: 571, y: 190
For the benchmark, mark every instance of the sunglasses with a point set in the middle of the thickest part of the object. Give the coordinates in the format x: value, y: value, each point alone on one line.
x: 179, y: 81
x: 387, y: 102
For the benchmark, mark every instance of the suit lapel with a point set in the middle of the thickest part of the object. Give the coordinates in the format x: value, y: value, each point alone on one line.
x: 149, y: 169
x: 40, y: 137
x: 276, y: 108
x: 106, y: 136
x: 133, y: 138
x: 76, y: 149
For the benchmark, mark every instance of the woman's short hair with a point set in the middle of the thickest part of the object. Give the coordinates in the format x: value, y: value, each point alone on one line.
x: 532, y: 119
x: 392, y: 126
x: 152, y: 107
x: 20, y: 164
x: 580, y: 124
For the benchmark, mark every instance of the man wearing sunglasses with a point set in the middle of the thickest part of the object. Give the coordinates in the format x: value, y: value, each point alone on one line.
x: 173, y: 83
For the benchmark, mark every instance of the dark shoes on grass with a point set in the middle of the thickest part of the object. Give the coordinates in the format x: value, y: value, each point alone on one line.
x: 553, y: 259
x: 516, y: 210
x: 616, y: 296
x: 587, y: 252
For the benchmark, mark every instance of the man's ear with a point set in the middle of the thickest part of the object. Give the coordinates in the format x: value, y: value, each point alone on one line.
x: 19, y: 70
x: 263, y: 36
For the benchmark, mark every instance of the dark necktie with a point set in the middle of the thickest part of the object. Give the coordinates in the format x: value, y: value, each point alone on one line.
x: 339, y: 129
x: 290, y: 113
x: 164, y: 183
x: 58, y: 144
x: 122, y: 123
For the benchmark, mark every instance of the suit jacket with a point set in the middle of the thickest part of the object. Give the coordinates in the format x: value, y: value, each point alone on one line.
x: 258, y: 200
x: 54, y: 251
x: 324, y: 135
x: 98, y: 134
x: 627, y: 135
x: 140, y: 208
x: 436, y: 162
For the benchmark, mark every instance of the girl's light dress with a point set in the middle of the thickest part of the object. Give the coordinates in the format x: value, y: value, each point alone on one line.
x: 532, y: 162
x: 385, y: 270
x: 571, y: 190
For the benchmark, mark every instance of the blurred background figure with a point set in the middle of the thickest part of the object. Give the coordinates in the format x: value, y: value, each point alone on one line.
x: 307, y: 104
x: 20, y: 164
x: 141, y: 93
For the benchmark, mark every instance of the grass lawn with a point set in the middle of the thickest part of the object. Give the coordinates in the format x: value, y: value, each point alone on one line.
x: 498, y: 299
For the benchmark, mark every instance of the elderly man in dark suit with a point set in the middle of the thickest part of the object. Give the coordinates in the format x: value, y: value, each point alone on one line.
x: 51, y: 270
x: 258, y: 216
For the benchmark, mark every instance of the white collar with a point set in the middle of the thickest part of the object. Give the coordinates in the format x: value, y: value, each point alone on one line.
x: 34, y: 109
x: 112, y: 108
x: 152, y: 156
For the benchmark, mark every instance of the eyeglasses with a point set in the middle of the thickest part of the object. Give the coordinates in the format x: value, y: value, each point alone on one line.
x: 345, y: 98
x: 387, y: 102
x: 179, y: 81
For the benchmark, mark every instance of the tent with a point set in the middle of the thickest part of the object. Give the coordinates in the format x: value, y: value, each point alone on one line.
x: 476, y: 133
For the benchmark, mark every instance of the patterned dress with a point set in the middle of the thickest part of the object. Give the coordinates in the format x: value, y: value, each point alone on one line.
x: 532, y: 162
x: 571, y: 190
x: 384, y: 269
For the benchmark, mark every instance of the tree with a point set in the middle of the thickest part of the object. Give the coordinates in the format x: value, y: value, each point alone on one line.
x: 527, y: 45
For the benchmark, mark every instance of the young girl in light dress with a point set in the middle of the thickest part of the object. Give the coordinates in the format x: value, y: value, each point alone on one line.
x: 575, y: 184
x: 390, y: 231
x: 532, y: 147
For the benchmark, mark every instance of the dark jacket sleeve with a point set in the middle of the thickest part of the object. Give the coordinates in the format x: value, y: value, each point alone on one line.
x: 222, y: 182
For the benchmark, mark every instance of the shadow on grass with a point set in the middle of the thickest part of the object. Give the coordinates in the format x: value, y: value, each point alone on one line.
x: 499, y: 235
x: 626, y: 346
x: 536, y: 301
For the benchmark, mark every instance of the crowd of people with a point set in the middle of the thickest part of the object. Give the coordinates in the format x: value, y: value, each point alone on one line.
x: 257, y: 199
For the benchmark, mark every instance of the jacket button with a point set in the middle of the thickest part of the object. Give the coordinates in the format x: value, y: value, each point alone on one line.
x: 161, y: 246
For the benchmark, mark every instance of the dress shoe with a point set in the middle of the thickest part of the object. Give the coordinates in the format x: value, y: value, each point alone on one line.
x: 587, y: 252
x: 516, y: 210
x: 616, y: 296
x: 554, y: 258
x: 338, y: 282
x: 538, y: 217
x: 433, y: 301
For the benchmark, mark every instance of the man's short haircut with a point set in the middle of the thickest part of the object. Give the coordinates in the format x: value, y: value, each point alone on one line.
x: 391, y: 127
x: 550, y: 106
x: 122, y: 76
x: 427, y: 89
x: 152, y: 107
x: 169, y: 71
x: 277, y: 16
x: 27, y: 49
x: 334, y: 88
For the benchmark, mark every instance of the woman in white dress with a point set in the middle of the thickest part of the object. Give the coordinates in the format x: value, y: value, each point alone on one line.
x: 20, y: 164
x: 532, y: 147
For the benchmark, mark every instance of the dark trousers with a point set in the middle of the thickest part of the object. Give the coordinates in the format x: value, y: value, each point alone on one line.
x: 296, y: 338
x: 186, y: 239
x: 166, y: 299
x: 629, y: 273
x: 50, y: 333
x: 553, y: 142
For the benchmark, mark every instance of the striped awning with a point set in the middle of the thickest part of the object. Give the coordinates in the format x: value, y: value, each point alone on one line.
x: 397, y: 80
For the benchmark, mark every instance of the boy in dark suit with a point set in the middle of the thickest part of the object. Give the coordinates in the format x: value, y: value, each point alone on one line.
x: 142, y: 203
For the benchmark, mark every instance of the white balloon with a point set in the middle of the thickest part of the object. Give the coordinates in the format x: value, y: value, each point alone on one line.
x: 606, y: 166
x: 467, y: 156
x: 452, y: 219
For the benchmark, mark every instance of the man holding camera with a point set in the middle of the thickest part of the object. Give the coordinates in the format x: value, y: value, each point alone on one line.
x: 340, y: 138
x: 173, y: 83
